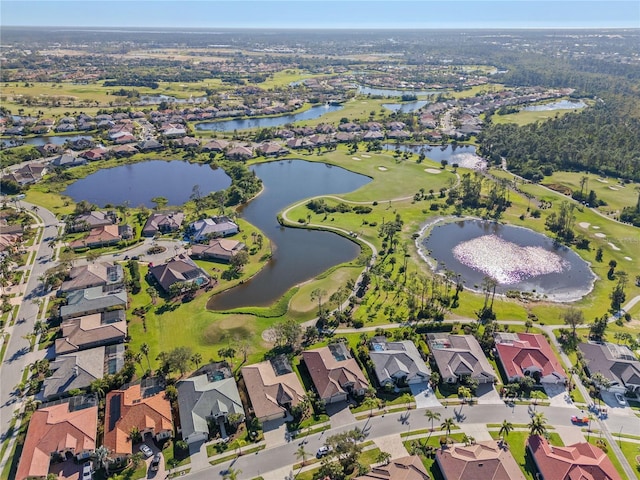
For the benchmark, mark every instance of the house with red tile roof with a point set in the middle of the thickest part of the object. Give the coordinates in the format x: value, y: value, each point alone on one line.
x: 528, y: 355
x: 335, y: 373
x: 143, y: 406
x: 98, y: 237
x: 405, y: 468
x: 57, y: 432
x: 581, y: 461
x: 480, y: 460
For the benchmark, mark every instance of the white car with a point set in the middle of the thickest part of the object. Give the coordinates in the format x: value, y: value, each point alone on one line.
x: 620, y: 399
x: 86, y: 471
x: 322, y: 451
x: 146, y: 451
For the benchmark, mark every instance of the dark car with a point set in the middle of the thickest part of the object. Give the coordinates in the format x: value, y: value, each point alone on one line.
x: 155, y: 463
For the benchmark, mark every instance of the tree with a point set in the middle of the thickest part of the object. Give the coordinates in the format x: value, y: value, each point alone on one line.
x: 178, y: 359
x: 538, y: 424
x: 227, y: 353
x: 505, y: 428
x: 231, y: 473
x: 318, y: 294
x: 238, y: 261
x: 197, y: 359
x: 370, y: 403
x: 153, y: 293
x: 302, y: 453
x: 101, y: 456
x: 383, y: 457
x: 160, y: 202
x: 431, y: 416
x: 535, y: 396
x: 144, y: 349
x: 573, y: 318
x: 447, y: 425
x: 287, y: 333
x: 598, y: 328
x: 345, y: 447
x: 134, y: 435
x: 464, y: 393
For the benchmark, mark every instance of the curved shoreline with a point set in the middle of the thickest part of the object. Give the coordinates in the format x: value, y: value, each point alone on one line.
x: 559, y: 297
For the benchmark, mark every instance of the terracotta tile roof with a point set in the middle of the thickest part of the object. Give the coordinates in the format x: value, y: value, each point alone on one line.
x: 332, y: 373
x: 581, y: 461
x: 269, y: 391
x: 482, y: 461
x: 405, y: 468
x: 529, y: 350
x: 56, y: 429
x: 126, y: 409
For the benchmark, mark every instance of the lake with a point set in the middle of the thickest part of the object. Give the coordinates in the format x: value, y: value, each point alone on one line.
x: 138, y: 183
x: 559, y: 105
x: 389, y: 92
x: 405, y: 107
x: 298, y: 254
x: 464, y: 155
x: 39, y: 141
x: 517, y: 258
x: 268, y: 122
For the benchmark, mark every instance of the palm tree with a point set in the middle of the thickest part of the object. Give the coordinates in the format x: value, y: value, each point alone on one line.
x: 144, y: 349
x: 383, y: 457
x: 538, y: 424
x: 101, y: 455
x: 465, y: 393
x: 406, y: 398
x: 600, y: 382
x: 370, y: 403
x: 231, y: 474
x: 301, y: 453
x: 535, y: 396
x: 447, y: 425
x: 431, y: 416
x: 197, y: 359
x: 505, y: 428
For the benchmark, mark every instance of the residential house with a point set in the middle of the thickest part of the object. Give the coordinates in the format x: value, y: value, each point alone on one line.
x: 149, y: 145
x: 582, y: 461
x: 335, y: 373
x: 616, y: 362
x: 460, y: 356
x: 27, y: 174
x: 170, y: 130
x: 213, y: 227
x: 186, y: 142
x: 180, y: 269
x: 222, y: 249
x: 398, y: 363
x: 204, y: 398
x: 124, y: 150
x: 57, y: 432
x: 76, y: 371
x: 90, y: 331
x: 92, y: 300
x: 273, y: 388
x: 95, y: 154
x: 142, y: 406
x: 102, y: 236
x: 163, y: 223
x: 404, y: 468
x: 107, y: 275
x: 86, y: 221
x: 530, y: 355
x: 239, y: 152
x: 271, y: 149
x: 215, y: 146
x: 68, y: 159
x: 480, y: 460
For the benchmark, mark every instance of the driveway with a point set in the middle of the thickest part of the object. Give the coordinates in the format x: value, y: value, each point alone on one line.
x: 340, y: 414
x: 487, y: 395
x: 558, y: 396
x: 275, y: 432
x: 424, y: 395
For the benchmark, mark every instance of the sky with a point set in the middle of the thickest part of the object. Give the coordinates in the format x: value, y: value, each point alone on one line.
x: 365, y: 14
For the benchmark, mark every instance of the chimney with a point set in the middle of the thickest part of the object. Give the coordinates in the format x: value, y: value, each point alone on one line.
x: 75, y: 370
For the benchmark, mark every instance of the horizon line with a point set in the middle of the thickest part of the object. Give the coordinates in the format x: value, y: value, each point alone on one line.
x: 92, y: 27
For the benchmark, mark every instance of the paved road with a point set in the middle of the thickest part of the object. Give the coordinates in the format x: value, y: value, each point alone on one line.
x: 274, y: 459
x: 17, y: 356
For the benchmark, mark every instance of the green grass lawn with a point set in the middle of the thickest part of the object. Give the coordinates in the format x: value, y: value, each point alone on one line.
x: 630, y: 451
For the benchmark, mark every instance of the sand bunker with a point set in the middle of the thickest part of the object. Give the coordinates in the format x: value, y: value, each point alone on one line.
x: 602, y: 180
x: 628, y: 258
x: 383, y: 169
x: 366, y: 156
x: 613, y: 188
x: 435, y: 171
x: 600, y: 235
x: 355, y: 158
x: 596, y: 227
x: 584, y: 224
x: 613, y: 247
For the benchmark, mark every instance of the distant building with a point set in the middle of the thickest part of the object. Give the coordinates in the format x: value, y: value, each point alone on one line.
x: 90, y: 331
x: 398, y: 363
x: 459, y: 356
x: 616, y: 363
x: 213, y: 227
x: 163, y: 223
x: 221, y: 249
x: 179, y: 270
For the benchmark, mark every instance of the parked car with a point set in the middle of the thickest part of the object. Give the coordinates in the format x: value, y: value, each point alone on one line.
x: 146, y: 451
x: 86, y: 471
x: 322, y: 451
x: 155, y: 463
x: 580, y: 420
x: 620, y: 399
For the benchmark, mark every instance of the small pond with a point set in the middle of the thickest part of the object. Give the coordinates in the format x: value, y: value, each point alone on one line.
x: 138, y: 183
x: 405, y: 107
x: 298, y: 254
x: 517, y: 258
x: 464, y: 155
x: 389, y: 92
x: 559, y: 105
x: 268, y: 122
